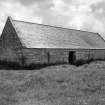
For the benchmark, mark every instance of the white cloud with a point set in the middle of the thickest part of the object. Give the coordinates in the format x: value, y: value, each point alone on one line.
x: 18, y: 11
x: 78, y: 14
x: 85, y: 2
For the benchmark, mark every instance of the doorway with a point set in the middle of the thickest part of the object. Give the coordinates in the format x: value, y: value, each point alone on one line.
x: 72, y: 57
x: 48, y: 56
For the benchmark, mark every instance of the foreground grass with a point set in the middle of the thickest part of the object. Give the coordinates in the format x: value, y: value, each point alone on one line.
x: 55, y: 85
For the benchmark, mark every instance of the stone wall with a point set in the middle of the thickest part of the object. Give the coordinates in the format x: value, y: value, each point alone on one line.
x: 90, y: 54
x: 35, y: 56
x: 45, y: 56
x: 10, y: 45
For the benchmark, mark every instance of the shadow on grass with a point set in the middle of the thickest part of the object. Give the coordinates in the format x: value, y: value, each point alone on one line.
x: 82, y: 62
x: 40, y: 66
x: 16, y: 66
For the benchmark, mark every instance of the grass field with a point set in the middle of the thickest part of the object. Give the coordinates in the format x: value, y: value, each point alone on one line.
x: 54, y: 85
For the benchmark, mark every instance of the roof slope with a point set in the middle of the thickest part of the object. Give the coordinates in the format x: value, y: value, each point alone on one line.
x: 34, y: 35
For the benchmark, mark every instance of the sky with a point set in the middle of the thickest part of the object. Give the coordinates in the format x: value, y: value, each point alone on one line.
x: 87, y: 15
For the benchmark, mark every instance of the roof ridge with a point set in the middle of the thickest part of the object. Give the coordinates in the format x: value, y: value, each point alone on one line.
x: 54, y: 26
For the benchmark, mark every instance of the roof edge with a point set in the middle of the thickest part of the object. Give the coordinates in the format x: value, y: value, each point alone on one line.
x: 101, y: 37
x: 67, y: 48
x: 9, y: 18
x: 54, y: 26
x: 16, y: 30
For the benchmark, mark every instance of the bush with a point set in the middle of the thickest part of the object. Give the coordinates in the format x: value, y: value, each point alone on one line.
x: 81, y: 62
x: 9, y: 65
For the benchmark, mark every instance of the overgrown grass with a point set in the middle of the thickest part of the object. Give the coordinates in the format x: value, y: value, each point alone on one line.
x: 54, y: 85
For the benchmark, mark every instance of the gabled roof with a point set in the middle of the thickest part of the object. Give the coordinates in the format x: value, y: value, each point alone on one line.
x: 35, y: 35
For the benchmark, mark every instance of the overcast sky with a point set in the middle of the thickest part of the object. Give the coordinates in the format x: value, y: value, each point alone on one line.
x: 88, y: 15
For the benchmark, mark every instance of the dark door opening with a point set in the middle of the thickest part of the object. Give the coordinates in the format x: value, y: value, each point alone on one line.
x: 48, y: 55
x: 72, y: 57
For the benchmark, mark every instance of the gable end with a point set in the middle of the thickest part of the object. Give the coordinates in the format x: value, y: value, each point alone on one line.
x: 10, y: 45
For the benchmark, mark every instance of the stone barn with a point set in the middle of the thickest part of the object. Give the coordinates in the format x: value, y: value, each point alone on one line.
x: 30, y: 43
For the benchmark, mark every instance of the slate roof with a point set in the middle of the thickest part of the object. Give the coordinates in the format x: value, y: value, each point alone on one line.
x: 33, y: 35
